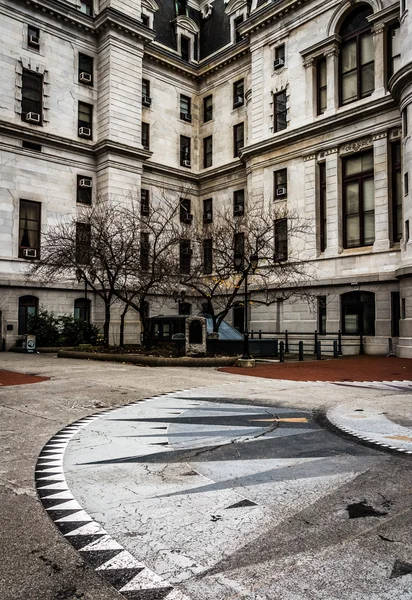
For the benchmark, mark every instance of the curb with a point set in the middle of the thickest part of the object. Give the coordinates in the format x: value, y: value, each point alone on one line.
x: 118, y: 567
x: 150, y: 361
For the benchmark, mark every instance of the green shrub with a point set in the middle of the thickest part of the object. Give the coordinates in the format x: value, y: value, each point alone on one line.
x: 61, y: 331
x: 45, y: 326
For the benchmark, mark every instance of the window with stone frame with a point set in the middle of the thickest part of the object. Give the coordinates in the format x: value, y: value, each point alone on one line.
x: 281, y: 240
x: 394, y: 49
x: 358, y: 200
x: 28, y: 307
x: 239, y: 249
x: 144, y: 251
x: 85, y: 120
x: 84, y: 189
x: 185, y: 210
x: 208, y: 210
x: 321, y: 85
x: 238, y: 203
x: 185, y: 257
x: 29, y: 229
x: 279, y: 111
x: 207, y: 151
x: 322, y: 315
x: 83, y: 243
x: 145, y: 20
x: 323, y: 223
x: 185, y: 48
x: 185, y: 151
x: 145, y: 90
x: 82, y: 309
x: 207, y: 256
x: 238, y: 139
x: 238, y: 93
x: 356, y: 57
x: 237, y: 22
x: 397, y: 192
x: 33, y: 37
x: 144, y: 202
x: 85, y: 69
x: 207, y: 109
x: 185, y: 108
x: 279, y: 56
x: 86, y: 7
x: 280, y: 184
x: 146, y: 136
x: 32, y: 97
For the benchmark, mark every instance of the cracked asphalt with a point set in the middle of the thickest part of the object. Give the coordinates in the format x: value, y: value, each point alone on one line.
x: 288, y: 535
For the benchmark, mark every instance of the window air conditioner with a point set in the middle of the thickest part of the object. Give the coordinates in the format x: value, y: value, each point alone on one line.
x: 187, y: 163
x: 145, y: 210
x: 33, y: 117
x: 85, y: 183
x: 278, y: 63
x: 238, y: 101
x: 207, y: 217
x: 281, y: 191
x: 146, y: 101
x: 238, y: 210
x: 34, y: 41
x: 187, y: 218
x: 30, y: 253
x: 85, y: 77
x: 85, y: 132
x: 186, y: 116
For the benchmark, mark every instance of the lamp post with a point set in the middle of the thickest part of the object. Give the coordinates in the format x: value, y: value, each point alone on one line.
x: 241, y: 267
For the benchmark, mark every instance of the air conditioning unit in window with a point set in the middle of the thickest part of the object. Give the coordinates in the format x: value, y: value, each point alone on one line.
x: 30, y: 253
x: 145, y: 210
x: 33, y: 117
x: 34, y: 41
x: 238, y: 209
x: 85, y: 77
x: 207, y: 217
x: 187, y: 163
x: 187, y: 218
x: 278, y: 63
x: 85, y: 183
x: 238, y: 101
x: 186, y: 116
x: 281, y: 191
x: 146, y: 101
x: 85, y: 132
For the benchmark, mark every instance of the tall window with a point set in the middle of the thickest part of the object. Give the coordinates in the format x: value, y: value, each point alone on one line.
x: 83, y: 243
x: 358, y: 201
x: 32, y: 97
x: 280, y: 181
x: 395, y: 313
x: 358, y: 313
x: 85, y: 120
x: 29, y: 229
x: 238, y: 138
x: 238, y: 93
x: 184, y: 210
x: 323, y: 223
x: 321, y: 86
x: 85, y: 69
x: 146, y: 99
x: 185, y: 151
x: 207, y: 256
x: 280, y: 111
x: 236, y: 23
x: 84, y: 189
x: 356, y: 56
x: 185, y: 48
x: 33, y: 37
x: 207, y: 109
x: 207, y: 151
x: 239, y: 247
x: 185, y: 108
x: 279, y: 61
x: 208, y: 210
x: 144, y: 251
x: 86, y: 7
x: 397, y: 195
x: 146, y: 136
x: 322, y: 314
x: 239, y: 203
x: 281, y: 239
x: 82, y: 309
x: 185, y: 257
x: 394, y: 49
x: 144, y: 202
x: 28, y: 307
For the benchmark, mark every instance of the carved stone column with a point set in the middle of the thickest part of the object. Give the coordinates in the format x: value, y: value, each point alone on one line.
x: 379, y: 40
x: 310, y: 93
x: 332, y: 82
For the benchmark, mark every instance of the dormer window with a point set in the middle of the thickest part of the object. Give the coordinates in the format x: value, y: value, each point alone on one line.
x: 145, y: 20
x: 236, y: 23
x: 185, y: 48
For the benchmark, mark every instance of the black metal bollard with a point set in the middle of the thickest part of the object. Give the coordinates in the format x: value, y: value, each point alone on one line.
x: 316, y: 339
x: 335, y: 349
x: 286, y: 341
x: 281, y: 352
x: 260, y: 334
x: 300, y: 350
x: 319, y: 351
x: 276, y: 349
x: 361, y: 348
x: 340, y: 342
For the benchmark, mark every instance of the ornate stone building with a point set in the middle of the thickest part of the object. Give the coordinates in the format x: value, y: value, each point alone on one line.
x: 295, y: 101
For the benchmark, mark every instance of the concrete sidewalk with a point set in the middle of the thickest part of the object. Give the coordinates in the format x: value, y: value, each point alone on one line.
x: 375, y: 420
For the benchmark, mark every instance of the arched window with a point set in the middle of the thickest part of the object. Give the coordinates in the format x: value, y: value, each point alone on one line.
x: 357, y: 72
x: 82, y: 309
x: 28, y: 306
x: 358, y: 313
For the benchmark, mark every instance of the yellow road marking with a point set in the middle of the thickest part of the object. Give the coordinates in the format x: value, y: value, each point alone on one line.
x: 402, y: 438
x: 285, y: 420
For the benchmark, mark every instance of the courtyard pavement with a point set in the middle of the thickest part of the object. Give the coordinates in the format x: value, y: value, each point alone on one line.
x: 243, y: 495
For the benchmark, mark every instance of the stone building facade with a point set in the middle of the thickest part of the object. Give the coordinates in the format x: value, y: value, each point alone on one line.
x: 299, y: 102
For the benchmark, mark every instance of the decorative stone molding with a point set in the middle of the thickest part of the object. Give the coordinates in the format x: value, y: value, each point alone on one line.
x: 234, y: 5
x: 344, y: 8
x: 379, y: 136
x: 395, y: 134
x: 357, y: 145
x: 328, y: 152
x: 311, y: 156
x: 187, y: 24
x: 207, y: 9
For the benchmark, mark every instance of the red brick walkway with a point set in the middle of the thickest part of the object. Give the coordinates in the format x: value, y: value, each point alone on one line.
x: 14, y: 378
x: 353, y: 368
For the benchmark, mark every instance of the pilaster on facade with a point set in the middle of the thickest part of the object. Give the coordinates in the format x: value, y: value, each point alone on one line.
x: 382, y: 201
x: 333, y: 202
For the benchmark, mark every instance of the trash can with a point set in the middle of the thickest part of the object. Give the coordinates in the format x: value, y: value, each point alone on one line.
x: 29, y: 343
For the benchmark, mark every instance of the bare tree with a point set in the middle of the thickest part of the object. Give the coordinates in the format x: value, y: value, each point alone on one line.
x: 276, y: 237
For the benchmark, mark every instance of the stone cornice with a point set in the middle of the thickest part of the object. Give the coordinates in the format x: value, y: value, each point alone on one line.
x: 323, y: 48
x: 291, y: 136
x: 271, y: 12
x: 112, y: 18
x: 385, y: 16
x: 212, y: 175
x: 400, y: 80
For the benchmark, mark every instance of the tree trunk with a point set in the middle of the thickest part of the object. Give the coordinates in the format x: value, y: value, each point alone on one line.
x: 106, y: 325
x: 122, y: 319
